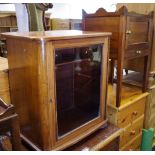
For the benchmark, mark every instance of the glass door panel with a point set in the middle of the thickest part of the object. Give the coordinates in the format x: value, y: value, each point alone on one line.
x: 78, y: 81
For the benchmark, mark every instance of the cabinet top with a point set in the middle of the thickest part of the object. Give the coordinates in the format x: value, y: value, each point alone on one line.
x: 55, y: 34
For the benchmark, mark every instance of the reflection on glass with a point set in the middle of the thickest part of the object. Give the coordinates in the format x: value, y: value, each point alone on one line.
x: 78, y: 74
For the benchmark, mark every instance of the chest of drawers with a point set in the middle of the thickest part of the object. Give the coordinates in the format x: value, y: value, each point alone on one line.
x: 129, y: 116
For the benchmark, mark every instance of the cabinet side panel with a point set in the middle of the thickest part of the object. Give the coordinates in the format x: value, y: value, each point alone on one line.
x: 26, y: 85
x: 105, y: 24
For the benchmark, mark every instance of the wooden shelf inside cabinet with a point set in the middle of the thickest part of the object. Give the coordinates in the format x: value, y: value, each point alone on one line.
x: 131, y: 38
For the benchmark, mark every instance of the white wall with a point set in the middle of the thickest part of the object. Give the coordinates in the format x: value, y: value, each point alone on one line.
x: 70, y: 10
x: 7, y: 7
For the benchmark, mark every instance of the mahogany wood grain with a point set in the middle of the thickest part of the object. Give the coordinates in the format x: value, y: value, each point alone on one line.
x: 131, y: 38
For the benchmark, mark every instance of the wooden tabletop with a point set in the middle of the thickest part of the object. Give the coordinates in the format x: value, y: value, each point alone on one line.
x: 97, y: 140
x: 55, y: 34
x: 130, y: 94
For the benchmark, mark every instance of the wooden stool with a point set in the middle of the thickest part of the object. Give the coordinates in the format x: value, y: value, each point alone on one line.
x: 9, y: 122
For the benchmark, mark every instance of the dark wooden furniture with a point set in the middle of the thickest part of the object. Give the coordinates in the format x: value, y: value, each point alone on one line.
x: 58, y: 83
x: 131, y: 38
x: 9, y: 122
x: 102, y: 140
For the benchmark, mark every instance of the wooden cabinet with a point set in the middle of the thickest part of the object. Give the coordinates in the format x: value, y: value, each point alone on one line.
x: 131, y: 38
x: 57, y: 80
x: 129, y: 116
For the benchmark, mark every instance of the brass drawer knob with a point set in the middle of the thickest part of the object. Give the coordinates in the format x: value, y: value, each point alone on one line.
x: 138, y: 52
x: 135, y: 113
x: 133, y: 132
x: 128, y: 32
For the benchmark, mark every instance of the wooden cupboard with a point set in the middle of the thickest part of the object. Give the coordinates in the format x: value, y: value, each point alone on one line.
x: 131, y: 38
x: 58, y: 83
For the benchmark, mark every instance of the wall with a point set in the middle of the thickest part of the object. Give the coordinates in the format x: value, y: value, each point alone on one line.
x: 143, y: 8
x: 69, y: 10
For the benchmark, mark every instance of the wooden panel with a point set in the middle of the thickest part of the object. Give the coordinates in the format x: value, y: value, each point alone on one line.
x: 143, y: 8
x: 4, y: 82
x: 105, y: 24
x: 3, y: 64
x: 5, y: 95
x: 129, y: 94
x: 112, y: 146
x: 127, y: 113
x: 138, y: 109
x: 136, y: 53
x: 131, y: 113
x: 131, y: 131
x: 133, y: 145
x: 24, y: 76
x: 4, y: 86
x: 139, y: 30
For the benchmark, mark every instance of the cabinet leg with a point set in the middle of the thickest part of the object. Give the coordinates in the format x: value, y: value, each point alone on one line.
x: 119, y: 83
x: 111, y: 78
x: 145, y: 73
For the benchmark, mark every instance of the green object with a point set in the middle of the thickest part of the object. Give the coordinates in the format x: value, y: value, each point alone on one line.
x: 147, y: 139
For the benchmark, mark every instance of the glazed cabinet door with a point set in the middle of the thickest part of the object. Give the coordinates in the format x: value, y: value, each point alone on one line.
x: 78, y: 81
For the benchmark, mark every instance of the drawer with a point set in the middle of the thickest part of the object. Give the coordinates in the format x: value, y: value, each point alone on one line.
x: 133, y: 145
x: 131, y: 131
x: 134, y: 53
x: 130, y: 113
x: 138, y: 109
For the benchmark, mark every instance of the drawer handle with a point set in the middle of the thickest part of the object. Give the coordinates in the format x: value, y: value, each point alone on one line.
x: 123, y: 120
x: 128, y: 32
x: 133, y: 132
x: 138, y: 52
x: 135, y: 113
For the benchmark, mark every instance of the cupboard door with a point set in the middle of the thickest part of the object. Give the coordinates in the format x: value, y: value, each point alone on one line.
x: 137, y: 32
